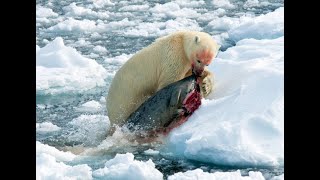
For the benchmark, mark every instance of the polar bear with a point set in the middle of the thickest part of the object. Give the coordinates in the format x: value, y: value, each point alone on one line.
x: 167, y: 60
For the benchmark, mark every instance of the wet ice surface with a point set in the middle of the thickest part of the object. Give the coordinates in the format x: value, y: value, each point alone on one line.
x: 71, y: 112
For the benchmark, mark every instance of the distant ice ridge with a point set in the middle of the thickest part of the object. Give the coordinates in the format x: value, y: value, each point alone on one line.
x: 266, y: 26
x: 242, y: 121
x: 62, y: 69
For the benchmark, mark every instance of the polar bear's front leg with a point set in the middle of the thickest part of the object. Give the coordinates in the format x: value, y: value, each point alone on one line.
x: 206, y: 83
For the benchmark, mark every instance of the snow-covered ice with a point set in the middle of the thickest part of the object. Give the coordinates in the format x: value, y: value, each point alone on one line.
x: 90, y: 106
x: 123, y: 166
x: 72, y: 24
x: 251, y: 3
x: 73, y: 10
x: 81, y: 42
x: 135, y: 8
x: 52, y: 151
x: 151, y: 152
x: 100, y: 49
x: 242, y: 122
x: 226, y: 23
x: 101, y: 3
x: 163, y: 28
x: 47, y: 167
x: 190, y: 3
x: 268, y: 26
x: 249, y: 88
x: 222, y: 4
x: 43, y: 12
x: 173, y: 10
x: 50, y: 165
x: 61, y: 69
x: 45, y: 15
x: 46, y: 127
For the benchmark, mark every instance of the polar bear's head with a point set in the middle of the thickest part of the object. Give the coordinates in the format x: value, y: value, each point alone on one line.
x: 200, y: 49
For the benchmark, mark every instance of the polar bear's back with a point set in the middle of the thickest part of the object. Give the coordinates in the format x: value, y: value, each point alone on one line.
x: 133, y: 83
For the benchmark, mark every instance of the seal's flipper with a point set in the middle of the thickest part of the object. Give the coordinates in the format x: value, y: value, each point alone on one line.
x: 175, y: 97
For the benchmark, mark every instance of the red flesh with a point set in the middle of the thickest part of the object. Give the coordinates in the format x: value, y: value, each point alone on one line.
x: 191, y: 103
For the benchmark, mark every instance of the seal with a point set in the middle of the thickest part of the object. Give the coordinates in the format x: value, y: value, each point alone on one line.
x: 167, y: 109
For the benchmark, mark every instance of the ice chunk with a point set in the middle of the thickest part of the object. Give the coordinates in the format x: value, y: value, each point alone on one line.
x: 123, y: 166
x: 46, y: 127
x: 63, y: 69
x: 43, y: 12
x: 222, y: 4
x: 100, y: 49
x: 73, y: 10
x: 90, y: 106
x: 151, y: 152
x: 49, y: 165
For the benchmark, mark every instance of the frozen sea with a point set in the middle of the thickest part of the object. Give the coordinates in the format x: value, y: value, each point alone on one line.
x: 237, y: 133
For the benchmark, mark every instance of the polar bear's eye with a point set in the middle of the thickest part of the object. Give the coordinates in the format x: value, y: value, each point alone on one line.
x: 199, y: 61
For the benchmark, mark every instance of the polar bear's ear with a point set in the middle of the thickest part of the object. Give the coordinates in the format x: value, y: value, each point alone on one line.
x: 197, y: 39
